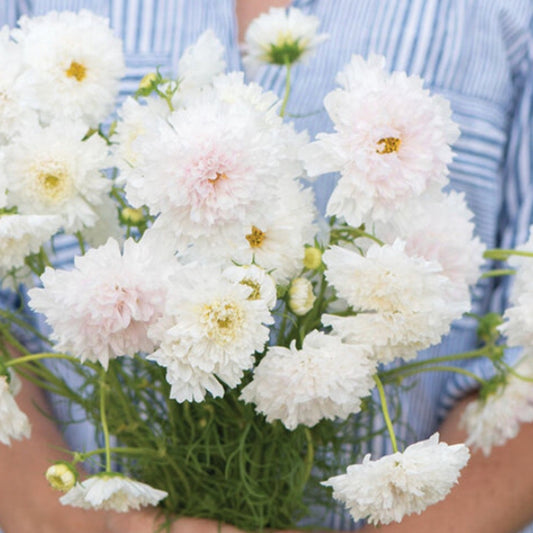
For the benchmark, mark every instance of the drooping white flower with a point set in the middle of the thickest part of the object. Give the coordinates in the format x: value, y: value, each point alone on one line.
x: 301, y: 296
x: 112, y: 299
x: 14, y: 424
x: 262, y: 284
x: 325, y: 379
x: 112, y: 492
x: 406, y: 303
x: 400, y: 484
x: 51, y: 171
x: 76, y: 75
x: 210, y: 332
x: 494, y: 420
x: 22, y: 235
x: 392, y: 142
x: 280, y: 37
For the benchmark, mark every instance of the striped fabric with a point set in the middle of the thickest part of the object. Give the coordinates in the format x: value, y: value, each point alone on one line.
x: 477, y: 54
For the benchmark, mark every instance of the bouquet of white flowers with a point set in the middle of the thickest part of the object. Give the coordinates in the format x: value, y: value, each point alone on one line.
x: 224, y: 333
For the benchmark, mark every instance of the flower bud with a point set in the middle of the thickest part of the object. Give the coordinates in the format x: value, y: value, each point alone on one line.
x: 132, y: 216
x: 312, y: 258
x: 61, y: 476
x: 301, y: 297
x: 147, y: 80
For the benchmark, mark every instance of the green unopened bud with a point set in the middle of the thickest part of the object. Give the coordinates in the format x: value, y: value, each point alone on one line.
x: 62, y: 476
x: 312, y: 258
x: 132, y: 216
x: 301, y: 297
x: 147, y: 80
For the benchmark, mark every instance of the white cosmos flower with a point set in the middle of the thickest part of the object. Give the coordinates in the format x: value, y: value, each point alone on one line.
x: 210, y: 332
x: 112, y: 299
x: 392, y: 142
x: 76, y: 74
x: 325, y: 379
x: 210, y: 170
x: 518, y: 325
x: 14, y: 424
x: 492, y: 421
x: 51, y: 171
x: 135, y: 120
x: 112, y: 492
x: 21, y: 235
x: 280, y: 37
x: 197, y: 67
x: 440, y: 230
x: 406, y: 303
x: 278, y: 244
x: 400, y: 484
x: 262, y: 284
x: 13, y: 113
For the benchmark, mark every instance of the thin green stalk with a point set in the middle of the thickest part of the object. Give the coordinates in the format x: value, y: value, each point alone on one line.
x: 445, y: 368
x: 82, y: 456
x: 498, y: 272
x: 103, y: 418
x: 385, y: 411
x: 389, y: 375
x: 287, y: 90
x: 39, y: 356
x: 503, y: 254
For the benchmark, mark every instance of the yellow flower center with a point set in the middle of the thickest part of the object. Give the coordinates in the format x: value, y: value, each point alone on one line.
x: 256, y: 288
x: 256, y: 237
x: 219, y: 176
x: 76, y: 70
x: 388, y: 145
x: 52, y: 181
x: 223, y: 320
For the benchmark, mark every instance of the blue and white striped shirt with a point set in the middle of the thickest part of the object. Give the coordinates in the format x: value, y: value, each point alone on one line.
x: 476, y: 53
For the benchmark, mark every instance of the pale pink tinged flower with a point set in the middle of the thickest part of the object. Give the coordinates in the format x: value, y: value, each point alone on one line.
x: 111, y: 300
x: 392, y: 143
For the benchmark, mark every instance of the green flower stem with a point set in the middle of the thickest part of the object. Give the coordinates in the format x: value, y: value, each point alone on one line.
x: 38, y: 356
x: 103, y: 418
x: 503, y: 254
x: 445, y: 368
x: 512, y: 371
x: 498, y: 272
x: 287, y: 90
x: 390, y: 375
x: 338, y: 234
x: 310, y: 455
x: 385, y: 411
x: 82, y: 456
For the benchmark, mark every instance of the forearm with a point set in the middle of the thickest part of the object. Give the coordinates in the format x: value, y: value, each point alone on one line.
x: 27, y: 502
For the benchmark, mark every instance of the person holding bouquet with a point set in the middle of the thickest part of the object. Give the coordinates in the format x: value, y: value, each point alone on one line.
x: 482, y: 61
